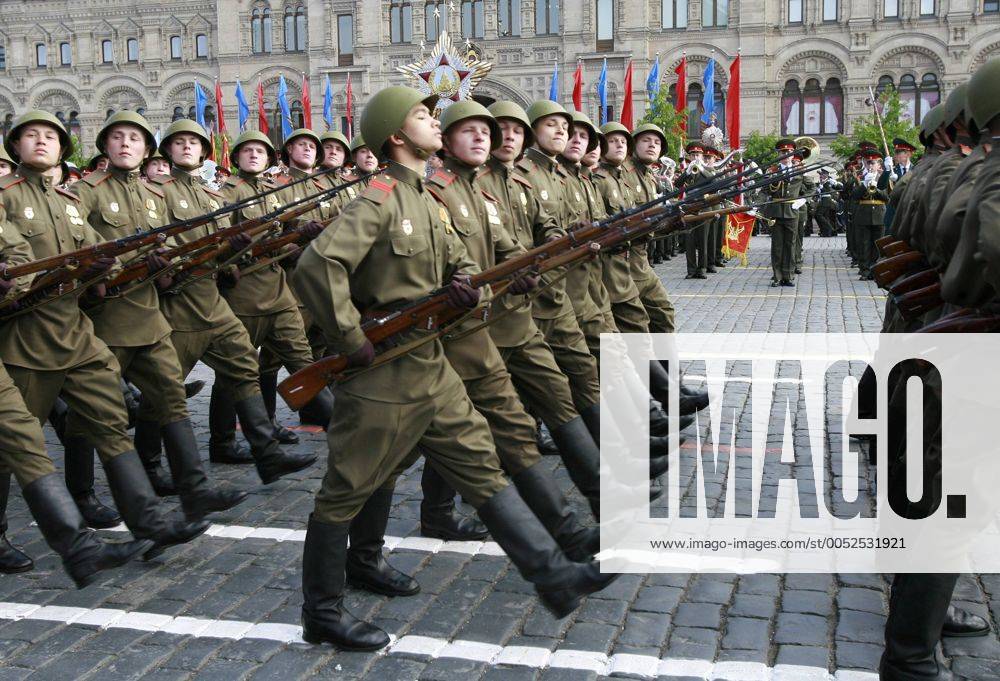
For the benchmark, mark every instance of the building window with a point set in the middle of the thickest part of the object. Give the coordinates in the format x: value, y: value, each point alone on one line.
x: 473, y: 18
x: 400, y: 21
x: 298, y: 120
x: 175, y: 47
x: 178, y: 114
x: 132, y: 48
x: 916, y: 99
x: 675, y: 13
x: 345, y: 39
x: 41, y: 55
x: 3, y: 57
x: 891, y: 9
x: 546, y: 17
x: 65, y: 54
x: 829, y: 10
x: 795, y: 11
x: 927, y: 8
x: 715, y: 13
x: 260, y: 30
x: 295, y: 29
x: 435, y: 19
x: 813, y: 110
x: 605, y: 25
x: 201, y: 46
x: 991, y: 5
x: 510, y: 18
x: 107, y: 52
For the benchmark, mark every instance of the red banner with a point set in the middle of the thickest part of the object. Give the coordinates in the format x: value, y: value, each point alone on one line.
x: 739, y: 228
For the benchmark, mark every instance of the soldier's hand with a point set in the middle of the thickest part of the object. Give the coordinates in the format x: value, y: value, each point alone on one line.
x: 5, y: 284
x: 98, y: 267
x: 97, y: 291
x: 362, y: 357
x: 461, y: 293
x: 229, y: 277
x: 156, y: 262
x: 239, y: 241
x: 311, y: 229
x: 523, y: 284
x: 887, y: 162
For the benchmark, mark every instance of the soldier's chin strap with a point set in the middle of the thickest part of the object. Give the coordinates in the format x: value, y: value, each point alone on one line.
x: 417, y: 150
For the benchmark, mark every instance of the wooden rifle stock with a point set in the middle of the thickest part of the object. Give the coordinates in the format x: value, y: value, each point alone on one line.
x: 894, y: 249
x: 914, y: 282
x: 889, y: 270
x: 915, y: 303
x: 883, y: 241
x: 974, y: 322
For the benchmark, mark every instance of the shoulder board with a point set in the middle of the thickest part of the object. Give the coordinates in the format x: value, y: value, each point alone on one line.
x: 525, y: 164
x: 67, y: 194
x: 96, y: 177
x: 379, y: 189
x: 155, y: 191
x: 485, y: 171
x: 212, y: 192
x: 234, y: 182
x: 436, y: 193
x: 489, y: 197
x: 562, y: 172
x: 443, y: 178
x: 162, y: 179
x: 9, y: 181
x: 600, y: 174
x: 521, y: 180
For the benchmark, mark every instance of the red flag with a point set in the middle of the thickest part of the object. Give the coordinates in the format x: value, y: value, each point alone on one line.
x: 681, y: 89
x: 261, y: 113
x: 221, y: 118
x: 578, y: 87
x: 225, y: 152
x: 626, y: 117
x: 350, y: 109
x: 733, y: 104
x: 307, y: 116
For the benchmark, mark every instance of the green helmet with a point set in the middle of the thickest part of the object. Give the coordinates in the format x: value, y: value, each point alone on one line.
x: 5, y: 157
x: 334, y: 136
x: 37, y: 116
x: 386, y: 112
x: 155, y: 155
x: 190, y: 127
x: 358, y: 143
x: 613, y: 128
x: 954, y: 106
x: 983, y: 95
x: 303, y: 132
x: 546, y: 107
x: 464, y: 110
x: 252, y: 136
x: 931, y: 121
x: 654, y: 129
x: 130, y: 118
x: 580, y: 118
x: 513, y: 112
x: 95, y: 159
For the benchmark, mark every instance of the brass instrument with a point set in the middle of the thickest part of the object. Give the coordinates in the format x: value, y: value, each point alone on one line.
x: 810, y: 144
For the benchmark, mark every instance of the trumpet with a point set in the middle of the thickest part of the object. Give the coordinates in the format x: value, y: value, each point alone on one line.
x: 763, y: 218
x: 723, y: 162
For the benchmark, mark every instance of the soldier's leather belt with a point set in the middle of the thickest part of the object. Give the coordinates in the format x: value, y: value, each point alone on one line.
x: 871, y: 203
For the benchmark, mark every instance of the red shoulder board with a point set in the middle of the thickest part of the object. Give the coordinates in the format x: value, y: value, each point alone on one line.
x: 520, y: 179
x: 155, y: 191
x: 442, y: 178
x: 67, y: 193
x: 96, y: 178
x: 436, y: 193
x: 9, y: 181
x: 379, y: 189
x: 489, y: 197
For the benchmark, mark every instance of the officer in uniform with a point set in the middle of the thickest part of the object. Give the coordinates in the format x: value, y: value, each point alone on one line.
x: 117, y: 203
x: 204, y: 326
x: 826, y: 208
x: 804, y: 211
x: 715, y: 228
x: 392, y: 246
x: 869, y: 215
x: 52, y: 349
x: 783, y: 193
x: 696, y: 239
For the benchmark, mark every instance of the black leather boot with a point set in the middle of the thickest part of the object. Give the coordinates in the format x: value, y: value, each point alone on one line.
x: 439, y: 519
x: 79, y: 471
x: 141, y: 509
x: 269, y: 392
x: 147, y: 445
x: 318, y: 411
x: 591, y: 417
x: 83, y: 554
x: 223, y: 446
x: 193, y: 388
x: 959, y: 623
x: 539, y: 491
x: 689, y: 401
x: 559, y: 582
x: 918, y: 605
x: 198, y: 496
x: 272, y: 461
x: 582, y: 459
x: 324, y: 618
x: 12, y: 559
x: 367, y: 567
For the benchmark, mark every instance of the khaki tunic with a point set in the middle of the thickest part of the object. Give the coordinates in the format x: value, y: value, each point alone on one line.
x: 651, y: 291
x: 391, y: 247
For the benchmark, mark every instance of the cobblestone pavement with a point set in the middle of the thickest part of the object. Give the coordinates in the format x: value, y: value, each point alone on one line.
x: 227, y: 605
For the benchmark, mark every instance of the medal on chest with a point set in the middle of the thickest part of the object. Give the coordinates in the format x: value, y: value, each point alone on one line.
x: 407, y: 226
x: 29, y: 212
x: 545, y: 195
x: 114, y: 207
x: 464, y: 211
x: 74, y: 215
x: 524, y: 200
x: 183, y: 203
x: 445, y: 218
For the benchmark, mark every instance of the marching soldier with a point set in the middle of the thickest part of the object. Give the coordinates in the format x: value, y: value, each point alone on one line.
x: 392, y: 246
x: 869, y: 215
x: 783, y: 193
x: 336, y: 154
x: 154, y: 166
x: 804, y: 211
x: 52, y: 350
x: 117, y: 203
x: 204, y: 326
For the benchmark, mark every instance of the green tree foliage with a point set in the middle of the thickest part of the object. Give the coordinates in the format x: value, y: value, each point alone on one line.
x: 759, y: 148
x: 661, y: 111
x: 866, y: 128
x: 77, y: 158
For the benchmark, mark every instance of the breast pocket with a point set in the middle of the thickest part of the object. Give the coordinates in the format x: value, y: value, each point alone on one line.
x: 115, y: 220
x: 409, y: 246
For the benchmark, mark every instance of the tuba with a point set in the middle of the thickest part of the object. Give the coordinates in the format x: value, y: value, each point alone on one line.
x: 810, y: 144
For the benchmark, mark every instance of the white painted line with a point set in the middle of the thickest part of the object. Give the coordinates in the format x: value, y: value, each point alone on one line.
x: 646, y: 666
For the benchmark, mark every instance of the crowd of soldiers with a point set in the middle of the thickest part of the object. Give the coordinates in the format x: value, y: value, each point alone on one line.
x: 454, y: 196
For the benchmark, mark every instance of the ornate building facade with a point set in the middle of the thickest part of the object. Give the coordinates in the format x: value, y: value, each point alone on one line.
x: 806, y: 64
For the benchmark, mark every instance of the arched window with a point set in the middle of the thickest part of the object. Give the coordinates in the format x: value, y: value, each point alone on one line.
x: 546, y: 17
x: 65, y: 54
x: 510, y: 18
x: 605, y: 25
x: 260, y: 30
x: 930, y: 95
x: 295, y: 29
x: 298, y: 119
x: 201, y: 46
x: 108, y: 114
x: 791, y: 108
x: 141, y: 110
x: 178, y: 114
x: 675, y: 13
x: 813, y: 110
x: 884, y: 83
x: 400, y: 21
x: 473, y: 18
x: 74, y: 123
x: 694, y: 97
x: 435, y: 19
x: 908, y: 96
x: 175, y: 47
x: 833, y: 107
x: 192, y: 114
x: 132, y: 49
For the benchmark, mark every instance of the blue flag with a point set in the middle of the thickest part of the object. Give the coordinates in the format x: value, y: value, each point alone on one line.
x: 286, y: 114
x: 200, y: 102
x: 554, y: 87
x: 708, y: 99
x: 653, y: 81
x: 328, y: 104
x: 243, y: 105
x: 602, y: 92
